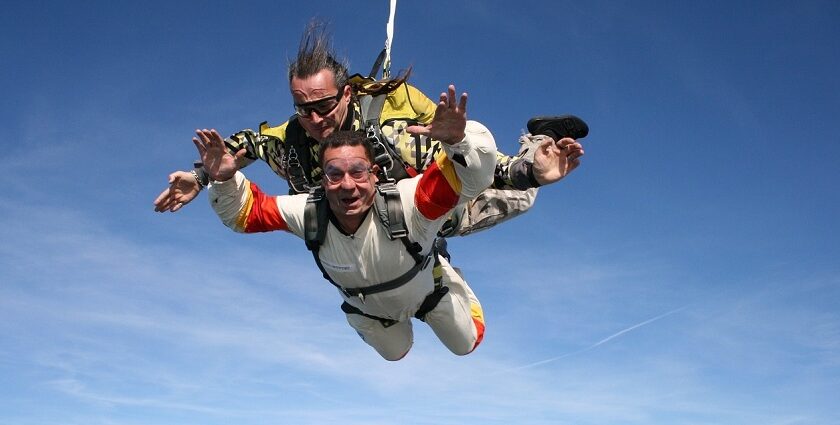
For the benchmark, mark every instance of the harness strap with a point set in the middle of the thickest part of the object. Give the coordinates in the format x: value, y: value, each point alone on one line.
x: 315, y: 217
x: 383, y: 153
x: 377, y: 63
x: 298, y: 157
x: 362, y: 292
x: 349, y: 309
x: 315, y: 221
x: 389, y: 207
x: 430, y: 302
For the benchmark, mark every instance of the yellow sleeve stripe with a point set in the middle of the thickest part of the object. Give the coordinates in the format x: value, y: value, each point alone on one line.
x: 242, y: 219
x: 448, y: 171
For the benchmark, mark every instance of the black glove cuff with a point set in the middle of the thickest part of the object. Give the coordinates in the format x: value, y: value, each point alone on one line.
x: 200, y: 175
x: 529, y: 171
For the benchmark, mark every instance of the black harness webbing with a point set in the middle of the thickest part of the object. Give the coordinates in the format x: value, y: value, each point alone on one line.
x: 390, y: 163
x: 377, y: 63
x: 298, y: 157
x: 429, y: 303
x: 389, y: 211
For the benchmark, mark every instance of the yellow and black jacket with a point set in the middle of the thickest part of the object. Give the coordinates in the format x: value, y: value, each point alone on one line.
x: 293, y: 155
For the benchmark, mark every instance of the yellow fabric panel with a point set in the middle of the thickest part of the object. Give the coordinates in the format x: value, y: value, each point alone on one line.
x: 279, y: 131
x: 242, y: 219
x: 408, y: 102
x: 448, y: 170
x: 476, y: 312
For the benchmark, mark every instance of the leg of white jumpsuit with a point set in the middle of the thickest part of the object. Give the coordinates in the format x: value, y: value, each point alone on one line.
x: 392, y: 343
x: 458, y: 320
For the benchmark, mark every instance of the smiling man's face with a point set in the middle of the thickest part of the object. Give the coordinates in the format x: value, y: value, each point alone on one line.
x: 349, y: 183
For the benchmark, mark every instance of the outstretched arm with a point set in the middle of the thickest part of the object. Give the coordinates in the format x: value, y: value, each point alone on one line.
x: 184, y: 186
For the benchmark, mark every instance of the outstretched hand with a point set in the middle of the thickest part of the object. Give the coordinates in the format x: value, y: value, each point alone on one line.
x: 183, y: 188
x: 218, y: 162
x: 450, y: 119
x: 555, y: 160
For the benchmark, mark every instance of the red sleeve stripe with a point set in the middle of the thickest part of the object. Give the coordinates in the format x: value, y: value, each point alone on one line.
x: 435, y: 195
x: 262, y: 214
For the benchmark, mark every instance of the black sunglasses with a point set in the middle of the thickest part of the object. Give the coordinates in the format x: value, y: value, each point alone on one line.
x: 321, y: 106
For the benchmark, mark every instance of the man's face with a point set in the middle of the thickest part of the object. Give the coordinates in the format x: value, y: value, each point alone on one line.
x: 349, y: 182
x: 321, y: 106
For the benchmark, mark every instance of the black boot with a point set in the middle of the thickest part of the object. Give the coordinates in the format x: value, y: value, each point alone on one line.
x: 558, y: 127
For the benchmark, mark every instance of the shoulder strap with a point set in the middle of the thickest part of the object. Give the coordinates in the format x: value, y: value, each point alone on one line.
x: 315, y: 220
x: 390, y: 213
x: 389, y: 210
x: 298, y: 157
x: 391, y: 166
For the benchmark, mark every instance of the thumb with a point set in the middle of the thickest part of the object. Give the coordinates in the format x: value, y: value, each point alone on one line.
x: 240, y: 154
x: 418, y: 129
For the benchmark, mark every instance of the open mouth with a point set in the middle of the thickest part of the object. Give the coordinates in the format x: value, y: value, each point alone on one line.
x: 349, y: 202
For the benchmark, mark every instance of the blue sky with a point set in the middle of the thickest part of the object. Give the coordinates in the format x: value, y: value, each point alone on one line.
x: 686, y: 273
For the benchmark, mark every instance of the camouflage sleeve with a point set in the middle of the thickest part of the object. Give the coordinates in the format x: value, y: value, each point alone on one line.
x: 514, y: 172
x: 244, y: 139
x: 267, y: 145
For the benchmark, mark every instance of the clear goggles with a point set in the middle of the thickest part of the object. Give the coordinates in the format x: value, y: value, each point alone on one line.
x: 357, y: 168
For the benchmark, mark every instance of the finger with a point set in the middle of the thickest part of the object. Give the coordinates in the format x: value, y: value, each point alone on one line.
x: 205, y: 137
x: 546, y: 144
x: 418, y: 129
x: 444, y: 100
x: 217, y: 138
x: 160, y: 206
x: 165, y: 205
x: 201, y: 137
x: 163, y: 195
x: 451, y: 92
x: 574, y: 149
x: 240, y: 154
x: 199, y: 146
x: 212, y: 138
x: 462, y: 103
x: 177, y: 206
x: 565, y: 142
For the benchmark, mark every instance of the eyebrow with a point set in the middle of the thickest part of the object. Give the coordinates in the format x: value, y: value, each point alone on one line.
x: 312, y: 102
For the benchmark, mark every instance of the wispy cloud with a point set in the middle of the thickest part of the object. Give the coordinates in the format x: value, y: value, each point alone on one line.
x: 597, y: 344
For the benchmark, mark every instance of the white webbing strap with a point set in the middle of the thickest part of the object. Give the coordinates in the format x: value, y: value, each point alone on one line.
x: 389, y: 35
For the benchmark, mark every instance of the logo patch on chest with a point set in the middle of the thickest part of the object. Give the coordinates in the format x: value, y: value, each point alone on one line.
x: 337, y: 267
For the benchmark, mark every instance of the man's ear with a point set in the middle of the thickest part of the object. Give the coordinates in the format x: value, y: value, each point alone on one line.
x: 374, y: 170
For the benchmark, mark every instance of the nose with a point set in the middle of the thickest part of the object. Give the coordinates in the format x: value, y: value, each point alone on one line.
x: 347, y: 182
x: 315, y: 117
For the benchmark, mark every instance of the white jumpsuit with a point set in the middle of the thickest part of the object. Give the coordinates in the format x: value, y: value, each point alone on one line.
x: 369, y: 257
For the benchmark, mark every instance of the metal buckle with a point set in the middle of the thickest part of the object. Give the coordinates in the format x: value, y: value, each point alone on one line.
x: 360, y: 295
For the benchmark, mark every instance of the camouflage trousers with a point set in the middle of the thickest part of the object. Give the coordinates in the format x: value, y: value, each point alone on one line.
x: 488, y: 209
x: 494, y: 206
